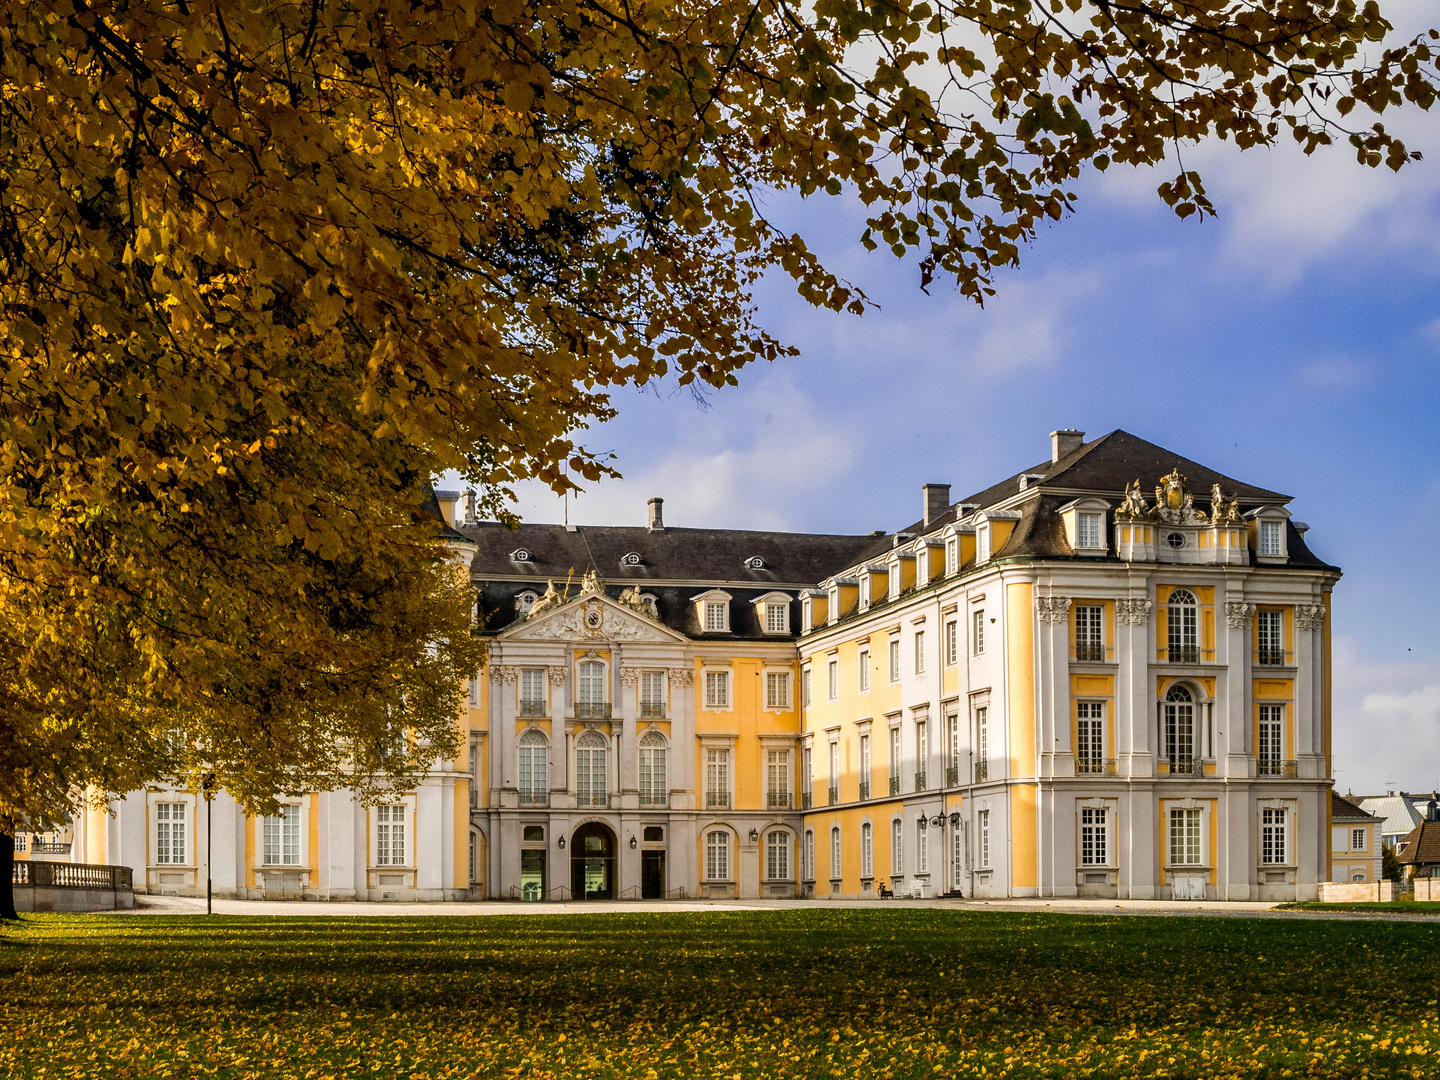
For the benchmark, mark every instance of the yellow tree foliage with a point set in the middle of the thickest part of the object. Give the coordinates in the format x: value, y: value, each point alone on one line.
x: 265, y: 267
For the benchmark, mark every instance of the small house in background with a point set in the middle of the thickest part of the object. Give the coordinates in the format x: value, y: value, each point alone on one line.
x: 1419, y: 851
x: 1354, y: 842
x: 1398, y: 814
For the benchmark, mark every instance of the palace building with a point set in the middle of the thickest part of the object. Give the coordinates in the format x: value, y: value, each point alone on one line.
x: 1107, y: 675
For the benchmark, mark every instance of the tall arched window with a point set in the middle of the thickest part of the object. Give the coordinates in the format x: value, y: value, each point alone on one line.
x: 590, y: 789
x: 867, y: 850
x: 807, y: 868
x: 717, y: 855
x: 897, y: 847
x: 1184, y: 642
x: 590, y: 688
x: 835, y: 853
x: 1180, y: 729
x: 654, y: 773
x: 534, y: 770
x: 777, y: 855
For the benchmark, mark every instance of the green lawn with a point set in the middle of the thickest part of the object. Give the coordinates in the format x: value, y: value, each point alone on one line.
x: 1393, y: 907
x: 799, y: 993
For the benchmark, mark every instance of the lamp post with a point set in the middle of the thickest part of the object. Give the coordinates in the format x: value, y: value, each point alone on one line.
x: 939, y: 821
x: 207, y: 788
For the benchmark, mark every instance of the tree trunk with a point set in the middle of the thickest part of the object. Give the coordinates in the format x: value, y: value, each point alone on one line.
x: 7, y: 874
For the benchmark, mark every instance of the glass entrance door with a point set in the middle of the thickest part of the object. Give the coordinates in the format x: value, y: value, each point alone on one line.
x: 592, y: 863
x: 652, y: 875
x: 532, y: 875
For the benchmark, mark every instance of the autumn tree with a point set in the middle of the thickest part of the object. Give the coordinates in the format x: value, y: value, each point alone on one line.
x: 267, y: 267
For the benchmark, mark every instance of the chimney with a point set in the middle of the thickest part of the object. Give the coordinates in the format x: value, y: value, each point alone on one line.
x: 937, y: 501
x: 657, y: 523
x: 447, y: 501
x: 471, y: 503
x: 1431, y: 812
x: 1063, y: 441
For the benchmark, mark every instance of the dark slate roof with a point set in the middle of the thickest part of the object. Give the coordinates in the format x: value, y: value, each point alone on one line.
x: 1342, y: 809
x: 673, y: 604
x: 1421, y: 845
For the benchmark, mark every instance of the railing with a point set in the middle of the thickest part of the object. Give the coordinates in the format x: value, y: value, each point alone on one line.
x: 535, y: 798
x: 592, y: 799
x: 777, y: 800
x: 1270, y: 657
x: 834, y: 796
x: 1182, y: 766
x: 532, y: 708
x: 655, y: 709
x: 1095, y: 767
x: 1267, y: 767
x: 592, y: 710
x: 50, y: 847
x: 560, y: 892
x: 1090, y: 652
x: 1183, y: 654
x: 717, y: 800
x: 61, y: 875
x: 807, y: 800
x: 982, y: 771
x: 920, y: 784
x: 864, y: 790
x: 894, y: 785
x: 655, y: 799
x: 952, y: 775
x: 676, y: 894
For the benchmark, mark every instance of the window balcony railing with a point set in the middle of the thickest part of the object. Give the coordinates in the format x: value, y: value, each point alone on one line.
x: 864, y: 790
x: 1185, y: 766
x: 834, y: 796
x: 50, y: 847
x: 534, y: 798
x: 920, y: 784
x: 717, y: 800
x: 1270, y: 657
x: 1090, y: 652
x: 592, y: 710
x: 588, y: 798
x: 777, y: 800
x: 894, y: 785
x: 532, y: 708
x: 1275, y: 767
x: 652, y: 709
x: 807, y: 800
x: 982, y: 771
x: 952, y: 775
x: 651, y: 799
x: 1183, y: 654
x: 1095, y: 767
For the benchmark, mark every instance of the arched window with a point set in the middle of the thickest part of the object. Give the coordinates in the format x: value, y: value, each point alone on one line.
x: 590, y: 788
x: 807, y: 866
x: 777, y: 855
x: 897, y: 847
x: 1184, y: 642
x: 835, y: 853
x: 867, y: 850
x: 534, y: 771
x: 654, y: 772
x: 1180, y: 729
x: 717, y: 855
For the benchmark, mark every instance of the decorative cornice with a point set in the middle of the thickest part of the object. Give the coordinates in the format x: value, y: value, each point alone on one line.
x: 629, y: 675
x: 1238, y: 613
x: 1132, y: 612
x: 1053, y: 609
x: 557, y: 674
x: 504, y: 673
x: 1310, y: 616
x: 681, y: 676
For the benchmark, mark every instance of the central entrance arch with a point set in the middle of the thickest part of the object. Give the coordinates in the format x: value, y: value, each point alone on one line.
x: 592, y: 863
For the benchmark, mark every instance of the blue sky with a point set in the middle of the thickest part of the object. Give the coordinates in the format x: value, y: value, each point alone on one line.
x: 1292, y: 342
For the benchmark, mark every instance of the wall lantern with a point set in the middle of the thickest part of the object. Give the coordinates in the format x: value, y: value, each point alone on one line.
x: 632, y: 843
x: 562, y: 843
x: 754, y: 835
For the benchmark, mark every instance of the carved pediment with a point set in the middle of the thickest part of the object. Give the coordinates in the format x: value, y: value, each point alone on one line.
x: 591, y: 617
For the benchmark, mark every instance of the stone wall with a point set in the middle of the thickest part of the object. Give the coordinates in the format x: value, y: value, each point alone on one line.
x: 1356, y: 892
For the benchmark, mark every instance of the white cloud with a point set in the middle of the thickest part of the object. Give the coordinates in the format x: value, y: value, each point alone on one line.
x: 1386, y: 723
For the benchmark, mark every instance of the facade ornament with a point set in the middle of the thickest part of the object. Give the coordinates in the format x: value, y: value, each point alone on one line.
x: 1224, y: 511
x: 1175, y: 503
x: 591, y: 654
x: 557, y: 674
x: 1237, y: 612
x: 504, y: 673
x: 1132, y: 612
x: 551, y: 599
x: 1053, y: 609
x: 1133, y: 508
x: 631, y: 599
x: 591, y: 582
x: 681, y: 676
x: 629, y: 675
x: 1310, y: 616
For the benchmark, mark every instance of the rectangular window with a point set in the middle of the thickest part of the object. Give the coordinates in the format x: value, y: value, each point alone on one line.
x: 1089, y: 633
x: 863, y: 661
x: 952, y: 556
x: 777, y: 618
x: 977, y: 636
x: 1270, y: 635
x: 806, y: 682
x: 652, y: 693
x: 1094, y: 839
x: 390, y: 835
x: 717, y: 778
x: 919, y: 652
x: 952, y: 749
x: 591, y: 683
x: 282, y: 837
x: 1270, y: 537
x: 717, y: 689
x: 777, y: 690
x: 532, y: 691
x: 922, y: 849
x: 534, y: 768
x: 170, y: 847
x: 717, y: 855
x: 1184, y: 837
x: 807, y: 774
x: 1357, y: 840
x: 832, y: 679
x: 1090, y: 737
x: 475, y: 692
x: 982, y: 734
x: 715, y: 616
x: 777, y: 856
x: 834, y: 772
x: 865, y: 766
x: 1270, y: 751
x: 777, y: 779
x: 894, y: 660
x: 952, y: 643
x: 1273, y: 850
x: 809, y: 868
x: 835, y: 853
x: 982, y: 831
x: 865, y: 590
x: 894, y: 759
x: 922, y: 754
x: 1089, y: 531
x: 654, y: 771
x: 893, y: 590
x: 897, y: 847
x: 472, y: 857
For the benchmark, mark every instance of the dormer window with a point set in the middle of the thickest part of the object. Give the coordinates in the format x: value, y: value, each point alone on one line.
x: 715, y: 617
x: 755, y: 562
x: 952, y: 555
x: 1270, y: 532
x: 1088, y: 530
x: 712, y: 610
x: 1084, y: 522
x: 1269, y: 537
x: 631, y: 559
x: 520, y: 555
x: 894, y: 587
x: 648, y: 599
x: 773, y: 612
x: 864, y: 590
x: 525, y: 601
